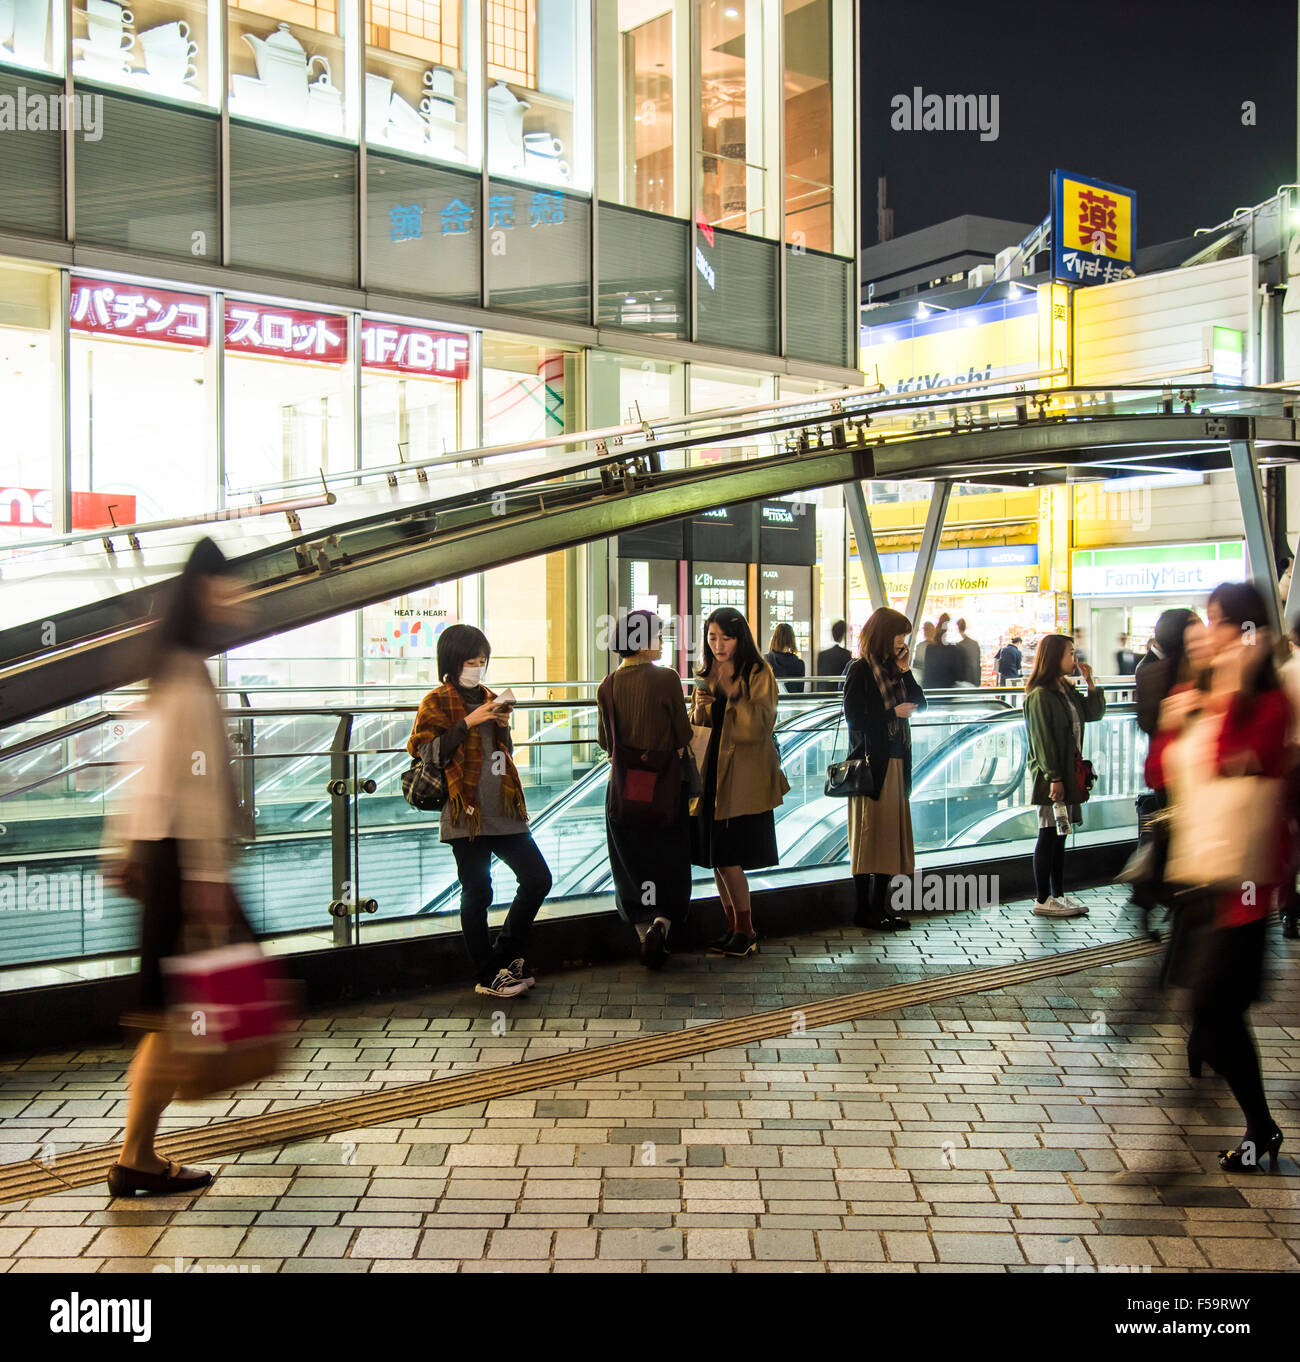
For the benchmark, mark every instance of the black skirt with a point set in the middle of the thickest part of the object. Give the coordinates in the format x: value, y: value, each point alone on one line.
x: 651, y: 864
x: 748, y: 841
x: 162, y: 929
x: 1221, y: 967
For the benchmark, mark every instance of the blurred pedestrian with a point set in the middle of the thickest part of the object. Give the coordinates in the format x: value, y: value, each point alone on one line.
x: 880, y: 697
x: 463, y: 728
x: 1126, y: 660
x: 971, y: 650
x: 643, y: 725
x: 834, y: 661
x: 1227, y: 846
x: 945, y: 663
x: 734, y: 829
x: 784, y: 660
x: 1290, y: 676
x: 919, y: 652
x: 176, y: 847
x: 1166, y: 664
x: 1055, y: 713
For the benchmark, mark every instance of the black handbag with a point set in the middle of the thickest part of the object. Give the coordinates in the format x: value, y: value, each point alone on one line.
x: 423, y: 786
x: 849, y: 777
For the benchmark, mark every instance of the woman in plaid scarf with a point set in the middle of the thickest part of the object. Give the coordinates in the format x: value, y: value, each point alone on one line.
x: 465, y: 730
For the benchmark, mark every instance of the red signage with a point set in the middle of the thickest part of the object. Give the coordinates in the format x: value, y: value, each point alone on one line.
x: 414, y: 350
x: 33, y: 507
x: 704, y: 226
x: 138, y: 312
x: 286, y: 332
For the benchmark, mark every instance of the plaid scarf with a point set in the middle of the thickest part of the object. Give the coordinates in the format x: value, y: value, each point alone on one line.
x: 890, y: 683
x: 440, y: 711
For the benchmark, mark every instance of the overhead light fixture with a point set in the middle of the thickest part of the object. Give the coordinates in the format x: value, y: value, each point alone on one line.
x: 731, y: 13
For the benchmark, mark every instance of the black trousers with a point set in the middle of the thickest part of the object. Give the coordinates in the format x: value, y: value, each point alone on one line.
x: 474, y: 869
x: 1049, y: 865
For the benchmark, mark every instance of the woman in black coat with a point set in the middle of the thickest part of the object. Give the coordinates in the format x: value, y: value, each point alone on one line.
x: 880, y: 696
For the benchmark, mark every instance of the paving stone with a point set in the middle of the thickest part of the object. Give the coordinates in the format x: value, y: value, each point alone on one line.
x: 644, y: 1244
x: 452, y: 1243
x: 714, y: 1243
x: 977, y: 1248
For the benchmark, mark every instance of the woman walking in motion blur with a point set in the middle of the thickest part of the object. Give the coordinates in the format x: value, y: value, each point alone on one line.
x: 1221, y: 749
x: 734, y: 829
x: 1056, y: 713
x: 880, y: 696
x: 176, y: 848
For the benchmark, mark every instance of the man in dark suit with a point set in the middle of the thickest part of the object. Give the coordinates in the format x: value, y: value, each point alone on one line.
x: 832, y: 661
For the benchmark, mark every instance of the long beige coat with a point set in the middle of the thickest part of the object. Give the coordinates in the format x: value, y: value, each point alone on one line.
x: 750, y: 779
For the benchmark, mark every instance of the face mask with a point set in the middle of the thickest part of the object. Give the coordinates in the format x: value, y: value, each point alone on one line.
x: 471, y: 676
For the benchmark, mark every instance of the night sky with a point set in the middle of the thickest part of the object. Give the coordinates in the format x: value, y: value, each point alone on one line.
x: 1143, y: 93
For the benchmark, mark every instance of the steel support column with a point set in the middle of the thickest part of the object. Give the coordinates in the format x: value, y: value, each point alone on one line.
x: 1254, y: 515
x: 930, y: 537
x: 868, y: 559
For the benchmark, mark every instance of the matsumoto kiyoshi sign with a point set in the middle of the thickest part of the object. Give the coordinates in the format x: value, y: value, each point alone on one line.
x: 1094, y: 230
x: 1158, y: 570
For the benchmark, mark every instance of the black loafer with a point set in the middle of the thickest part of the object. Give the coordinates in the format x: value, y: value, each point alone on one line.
x: 654, y: 949
x: 128, y: 1181
x: 719, y: 947
x: 740, y: 945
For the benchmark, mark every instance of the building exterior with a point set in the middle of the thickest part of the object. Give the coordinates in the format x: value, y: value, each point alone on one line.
x: 247, y: 244
x: 1104, y: 557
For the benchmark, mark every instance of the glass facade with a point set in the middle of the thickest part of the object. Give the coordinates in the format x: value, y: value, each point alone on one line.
x: 623, y: 164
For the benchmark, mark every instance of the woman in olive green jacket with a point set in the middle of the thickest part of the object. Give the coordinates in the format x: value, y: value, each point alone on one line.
x: 1056, y: 713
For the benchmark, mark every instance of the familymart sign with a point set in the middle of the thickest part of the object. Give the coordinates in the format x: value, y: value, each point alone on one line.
x: 1158, y: 569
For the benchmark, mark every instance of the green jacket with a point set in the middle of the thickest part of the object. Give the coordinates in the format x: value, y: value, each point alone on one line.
x: 1051, y: 739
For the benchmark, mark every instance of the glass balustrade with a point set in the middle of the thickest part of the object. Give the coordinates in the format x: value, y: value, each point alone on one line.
x: 333, y: 834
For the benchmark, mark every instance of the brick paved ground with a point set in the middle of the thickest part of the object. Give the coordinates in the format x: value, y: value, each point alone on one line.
x: 58, y: 1102
x: 1045, y: 1126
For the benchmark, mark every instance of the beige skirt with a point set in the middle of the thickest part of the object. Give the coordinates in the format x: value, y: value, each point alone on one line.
x: 880, y: 830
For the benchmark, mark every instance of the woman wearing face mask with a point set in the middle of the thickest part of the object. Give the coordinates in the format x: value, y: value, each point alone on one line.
x: 1233, y: 724
x: 734, y: 830
x: 175, y: 848
x: 465, y: 730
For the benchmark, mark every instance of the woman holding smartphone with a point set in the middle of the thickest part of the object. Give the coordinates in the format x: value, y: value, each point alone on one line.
x: 465, y: 729
x: 734, y: 830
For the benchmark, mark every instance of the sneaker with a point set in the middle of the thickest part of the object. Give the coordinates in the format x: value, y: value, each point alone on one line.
x: 518, y: 971
x: 1055, y: 908
x: 1071, y: 902
x: 505, y: 985
x: 654, y: 949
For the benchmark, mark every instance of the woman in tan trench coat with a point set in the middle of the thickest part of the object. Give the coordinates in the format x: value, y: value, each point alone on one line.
x: 734, y: 830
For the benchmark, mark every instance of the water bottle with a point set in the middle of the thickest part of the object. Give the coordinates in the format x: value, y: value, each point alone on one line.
x: 1062, y: 815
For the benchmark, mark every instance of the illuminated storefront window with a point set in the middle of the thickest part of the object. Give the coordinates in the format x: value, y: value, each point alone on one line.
x: 539, y: 91
x: 142, y: 405
x: 412, y: 381
x: 740, y: 127
x: 169, y: 49
x: 289, y: 393
x: 643, y: 60
x: 818, y: 92
x: 32, y: 34
x: 289, y: 64
x: 30, y: 486
x: 424, y: 87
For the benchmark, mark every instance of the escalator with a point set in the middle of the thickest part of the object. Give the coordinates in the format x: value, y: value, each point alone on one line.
x: 390, y: 534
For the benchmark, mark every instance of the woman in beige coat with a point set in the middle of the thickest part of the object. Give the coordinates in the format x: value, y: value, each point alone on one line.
x: 734, y: 830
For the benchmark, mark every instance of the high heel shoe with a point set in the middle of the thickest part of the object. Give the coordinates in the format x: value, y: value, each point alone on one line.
x: 741, y: 945
x: 1249, y: 1154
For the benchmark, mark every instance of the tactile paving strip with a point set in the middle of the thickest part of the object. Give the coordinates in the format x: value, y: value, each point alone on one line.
x: 220, y: 1139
